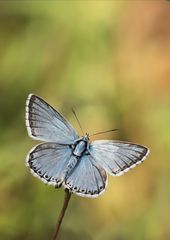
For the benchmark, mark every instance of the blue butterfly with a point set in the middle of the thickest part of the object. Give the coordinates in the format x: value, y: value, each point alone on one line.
x: 65, y: 159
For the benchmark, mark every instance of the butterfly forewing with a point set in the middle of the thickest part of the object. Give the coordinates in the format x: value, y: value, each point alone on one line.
x: 45, y: 123
x: 117, y: 157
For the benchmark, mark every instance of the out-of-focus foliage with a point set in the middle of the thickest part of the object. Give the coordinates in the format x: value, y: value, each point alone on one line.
x: 110, y: 61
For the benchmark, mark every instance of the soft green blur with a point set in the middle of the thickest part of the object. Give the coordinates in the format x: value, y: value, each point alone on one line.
x: 110, y: 61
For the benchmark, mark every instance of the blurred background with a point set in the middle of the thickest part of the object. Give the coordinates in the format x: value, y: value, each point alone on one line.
x: 110, y: 61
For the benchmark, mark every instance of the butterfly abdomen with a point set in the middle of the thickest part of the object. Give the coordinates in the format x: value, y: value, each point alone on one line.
x: 71, y: 165
x: 78, y: 151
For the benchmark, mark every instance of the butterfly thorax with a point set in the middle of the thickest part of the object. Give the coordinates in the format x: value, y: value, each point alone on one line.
x: 81, y: 146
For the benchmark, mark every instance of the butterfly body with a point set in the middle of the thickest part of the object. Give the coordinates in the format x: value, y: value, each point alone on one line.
x: 79, y: 149
x: 81, y: 146
x: 65, y: 159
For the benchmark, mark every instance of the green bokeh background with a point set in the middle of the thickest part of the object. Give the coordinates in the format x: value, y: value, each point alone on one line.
x: 110, y: 61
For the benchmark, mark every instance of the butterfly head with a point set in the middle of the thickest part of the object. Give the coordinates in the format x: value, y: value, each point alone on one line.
x: 86, y: 137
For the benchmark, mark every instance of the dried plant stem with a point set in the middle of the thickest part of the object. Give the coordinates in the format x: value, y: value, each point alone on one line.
x: 60, y: 218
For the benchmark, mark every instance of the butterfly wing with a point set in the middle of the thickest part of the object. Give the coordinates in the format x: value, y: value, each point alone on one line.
x: 117, y: 157
x: 46, y: 124
x: 48, y: 161
x: 87, y: 178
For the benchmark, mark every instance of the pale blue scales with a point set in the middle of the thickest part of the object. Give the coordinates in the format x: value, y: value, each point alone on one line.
x: 65, y: 159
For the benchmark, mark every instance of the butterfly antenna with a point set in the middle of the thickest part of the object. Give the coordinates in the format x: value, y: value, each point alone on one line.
x: 112, y: 130
x: 77, y: 120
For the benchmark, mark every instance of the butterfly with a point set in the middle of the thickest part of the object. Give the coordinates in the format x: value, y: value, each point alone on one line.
x: 65, y: 159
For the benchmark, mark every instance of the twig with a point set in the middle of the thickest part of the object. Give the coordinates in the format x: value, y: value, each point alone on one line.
x: 60, y: 218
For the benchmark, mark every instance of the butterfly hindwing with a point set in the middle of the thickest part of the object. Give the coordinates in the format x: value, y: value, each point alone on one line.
x: 45, y: 123
x: 117, y: 157
x: 87, y: 179
x: 48, y: 161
